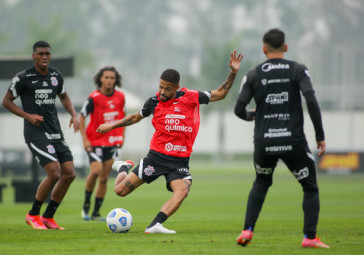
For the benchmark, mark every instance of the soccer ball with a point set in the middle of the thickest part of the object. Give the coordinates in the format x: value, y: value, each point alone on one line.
x: 119, y: 220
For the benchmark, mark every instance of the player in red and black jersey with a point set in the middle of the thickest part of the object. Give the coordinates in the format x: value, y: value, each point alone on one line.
x: 176, y: 121
x: 276, y: 86
x: 38, y: 88
x: 104, y: 105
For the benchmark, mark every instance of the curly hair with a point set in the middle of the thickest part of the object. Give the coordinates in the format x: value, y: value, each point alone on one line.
x: 101, y: 72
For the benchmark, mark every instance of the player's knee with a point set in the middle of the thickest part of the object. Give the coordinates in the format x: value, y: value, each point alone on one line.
x: 103, y: 179
x: 54, y: 176
x: 69, y: 177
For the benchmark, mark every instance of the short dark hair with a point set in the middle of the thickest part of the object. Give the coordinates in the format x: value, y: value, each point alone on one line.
x: 40, y: 44
x: 170, y: 75
x: 101, y: 72
x: 274, y: 38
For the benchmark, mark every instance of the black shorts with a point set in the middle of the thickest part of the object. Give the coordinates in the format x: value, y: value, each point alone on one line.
x: 102, y: 153
x: 156, y: 164
x: 299, y: 161
x: 46, y: 151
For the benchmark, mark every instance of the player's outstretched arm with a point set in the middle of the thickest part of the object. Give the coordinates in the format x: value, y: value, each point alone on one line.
x: 127, y: 121
x: 223, y: 90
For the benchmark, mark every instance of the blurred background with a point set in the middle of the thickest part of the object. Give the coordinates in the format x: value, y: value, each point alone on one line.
x: 144, y: 37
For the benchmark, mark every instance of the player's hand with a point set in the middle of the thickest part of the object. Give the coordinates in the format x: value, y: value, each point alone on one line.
x: 76, y: 124
x: 87, y: 145
x: 103, y: 128
x: 235, y: 61
x: 321, y: 145
x: 35, y: 119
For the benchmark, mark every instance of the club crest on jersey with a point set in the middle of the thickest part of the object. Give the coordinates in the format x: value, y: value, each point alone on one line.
x: 149, y: 170
x: 51, y: 149
x: 54, y: 81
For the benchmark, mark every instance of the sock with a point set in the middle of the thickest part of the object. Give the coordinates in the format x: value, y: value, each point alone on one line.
x: 36, y: 207
x: 123, y: 169
x: 51, y: 209
x: 98, y: 203
x: 86, y: 204
x: 310, y: 235
x: 161, y: 217
x: 251, y: 228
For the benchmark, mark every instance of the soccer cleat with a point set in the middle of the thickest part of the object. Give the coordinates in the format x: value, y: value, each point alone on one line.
x: 35, y: 221
x: 84, y: 215
x: 97, y: 217
x: 313, y: 243
x: 50, y: 223
x: 158, y: 228
x: 245, y: 237
x: 118, y: 164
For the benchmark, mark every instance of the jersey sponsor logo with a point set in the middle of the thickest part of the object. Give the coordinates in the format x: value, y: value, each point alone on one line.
x: 54, y: 74
x: 110, y: 117
x: 54, y: 81
x: 45, y: 84
x: 279, y: 148
x: 175, y: 102
x: 272, y: 81
x: 51, y: 149
x: 149, y: 170
x: 301, y: 174
x: 278, y: 116
x: 176, y: 109
x: 263, y: 170
x: 41, y: 97
x: 264, y: 82
x: 52, y: 136
x: 30, y: 74
x: 171, y: 147
x: 113, y: 139
x: 274, y: 133
x: 12, y: 85
x: 172, y: 124
x: 111, y: 104
x: 35, y: 81
x: 175, y: 116
x: 183, y: 170
x: 269, y: 66
x: 277, y: 98
x: 65, y: 143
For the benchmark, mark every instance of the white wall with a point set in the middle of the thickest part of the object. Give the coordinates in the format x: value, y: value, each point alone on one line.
x: 344, y: 130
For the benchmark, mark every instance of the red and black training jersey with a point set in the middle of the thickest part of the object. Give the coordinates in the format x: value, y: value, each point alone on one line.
x: 176, y: 121
x: 104, y: 109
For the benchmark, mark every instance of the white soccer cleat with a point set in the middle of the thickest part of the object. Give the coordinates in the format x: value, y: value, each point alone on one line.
x: 118, y: 164
x: 158, y: 228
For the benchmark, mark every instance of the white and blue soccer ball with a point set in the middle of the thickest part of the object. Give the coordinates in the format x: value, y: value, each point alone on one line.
x: 119, y: 220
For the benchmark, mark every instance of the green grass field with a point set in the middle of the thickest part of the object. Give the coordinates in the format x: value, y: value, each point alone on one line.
x: 208, y: 221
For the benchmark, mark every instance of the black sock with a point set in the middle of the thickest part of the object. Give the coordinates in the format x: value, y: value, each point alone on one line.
x: 123, y: 169
x: 310, y: 235
x: 51, y: 209
x: 161, y: 217
x: 36, y: 207
x: 86, y: 204
x: 98, y: 203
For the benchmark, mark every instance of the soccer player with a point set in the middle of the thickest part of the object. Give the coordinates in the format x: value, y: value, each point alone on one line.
x: 276, y: 85
x: 176, y: 121
x: 105, y: 105
x: 38, y: 88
